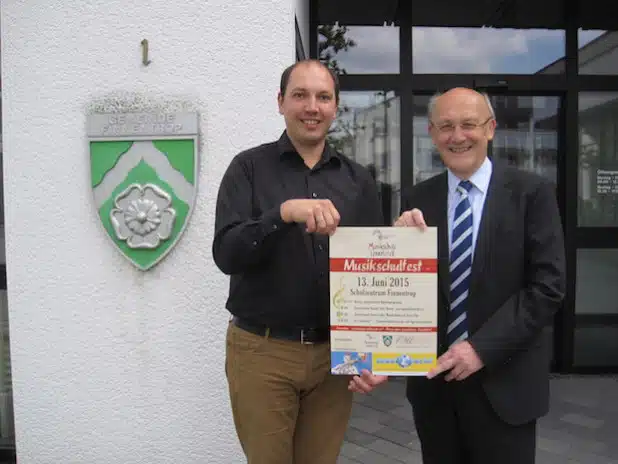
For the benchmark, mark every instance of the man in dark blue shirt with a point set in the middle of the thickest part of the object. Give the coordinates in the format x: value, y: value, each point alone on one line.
x: 277, y: 205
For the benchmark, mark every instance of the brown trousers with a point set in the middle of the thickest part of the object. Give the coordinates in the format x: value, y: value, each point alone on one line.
x: 287, y: 407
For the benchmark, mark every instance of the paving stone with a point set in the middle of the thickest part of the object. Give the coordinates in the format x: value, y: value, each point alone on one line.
x: 390, y: 449
x: 408, y: 439
x: 359, y: 437
x: 585, y: 401
x: 580, y: 428
x: 543, y: 457
x: 365, y: 425
x: 584, y: 421
x: 352, y: 451
x: 344, y: 460
x: 572, y: 442
x: 403, y: 425
x: 553, y: 446
x: 371, y: 457
x: 414, y: 458
x: 591, y: 458
x: 367, y: 412
x: 377, y: 403
x: 403, y: 412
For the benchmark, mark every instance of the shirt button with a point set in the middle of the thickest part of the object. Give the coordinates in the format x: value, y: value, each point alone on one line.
x: 274, y: 226
x: 314, y: 195
x: 254, y: 243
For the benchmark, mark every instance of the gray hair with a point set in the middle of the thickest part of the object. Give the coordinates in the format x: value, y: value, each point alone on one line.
x: 434, y: 100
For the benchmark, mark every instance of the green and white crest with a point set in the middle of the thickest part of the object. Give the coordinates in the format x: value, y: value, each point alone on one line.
x: 144, y: 171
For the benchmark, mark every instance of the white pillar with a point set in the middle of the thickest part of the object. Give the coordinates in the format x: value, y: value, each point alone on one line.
x: 112, y: 364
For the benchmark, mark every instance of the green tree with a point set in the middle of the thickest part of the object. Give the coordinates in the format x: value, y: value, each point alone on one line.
x: 342, y: 132
x: 332, y: 40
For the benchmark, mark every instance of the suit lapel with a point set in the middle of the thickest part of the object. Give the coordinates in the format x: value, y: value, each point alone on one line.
x: 486, y: 238
x: 440, y: 219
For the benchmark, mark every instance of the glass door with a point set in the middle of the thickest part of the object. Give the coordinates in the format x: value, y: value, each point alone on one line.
x: 595, y: 343
x: 527, y: 133
x: 367, y: 130
x: 528, y: 136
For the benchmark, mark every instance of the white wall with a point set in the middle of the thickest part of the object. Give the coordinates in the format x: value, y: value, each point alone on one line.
x: 110, y: 364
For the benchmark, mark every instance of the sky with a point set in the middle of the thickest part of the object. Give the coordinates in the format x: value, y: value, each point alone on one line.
x: 469, y: 51
x: 453, y: 50
x: 457, y: 50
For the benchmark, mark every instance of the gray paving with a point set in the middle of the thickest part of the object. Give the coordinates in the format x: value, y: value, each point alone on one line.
x: 581, y: 427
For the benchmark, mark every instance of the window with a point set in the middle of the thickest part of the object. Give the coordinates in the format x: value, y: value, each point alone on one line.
x: 598, y: 52
x: 367, y: 130
x: 460, y: 50
x: 359, y: 49
x: 598, y: 159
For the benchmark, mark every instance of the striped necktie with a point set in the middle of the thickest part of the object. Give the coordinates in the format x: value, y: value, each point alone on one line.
x: 460, y: 265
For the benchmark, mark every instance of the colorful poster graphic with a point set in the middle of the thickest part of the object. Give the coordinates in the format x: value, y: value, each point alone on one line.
x: 384, y: 291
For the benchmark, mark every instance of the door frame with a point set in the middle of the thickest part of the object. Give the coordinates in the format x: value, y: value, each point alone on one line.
x: 562, y: 330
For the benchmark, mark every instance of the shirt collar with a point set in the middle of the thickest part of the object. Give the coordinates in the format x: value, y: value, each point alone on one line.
x: 480, y: 179
x: 286, y: 148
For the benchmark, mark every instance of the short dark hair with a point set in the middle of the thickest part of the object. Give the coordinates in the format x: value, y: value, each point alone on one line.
x: 285, y: 76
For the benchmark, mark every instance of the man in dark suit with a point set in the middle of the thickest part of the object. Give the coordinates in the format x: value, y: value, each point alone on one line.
x: 502, y: 278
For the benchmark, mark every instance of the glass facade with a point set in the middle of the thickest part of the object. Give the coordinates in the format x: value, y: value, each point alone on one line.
x: 526, y: 135
x: 598, y: 52
x: 596, y: 344
x: 367, y: 130
x: 598, y: 159
x: 549, y: 71
x: 448, y: 50
x: 360, y: 49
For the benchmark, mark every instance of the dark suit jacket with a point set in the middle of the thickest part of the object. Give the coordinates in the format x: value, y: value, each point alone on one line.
x: 516, y: 286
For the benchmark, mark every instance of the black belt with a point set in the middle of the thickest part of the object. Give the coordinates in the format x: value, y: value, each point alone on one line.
x: 305, y: 336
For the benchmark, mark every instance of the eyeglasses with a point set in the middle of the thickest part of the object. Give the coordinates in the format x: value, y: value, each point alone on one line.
x: 449, y: 128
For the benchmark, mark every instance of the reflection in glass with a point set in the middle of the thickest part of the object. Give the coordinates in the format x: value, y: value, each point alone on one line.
x: 427, y: 161
x: 598, y: 159
x: 359, y: 49
x: 526, y: 135
x: 446, y: 50
x: 596, y: 293
x: 367, y: 131
x: 597, y: 275
x: 598, y: 52
x: 596, y: 346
